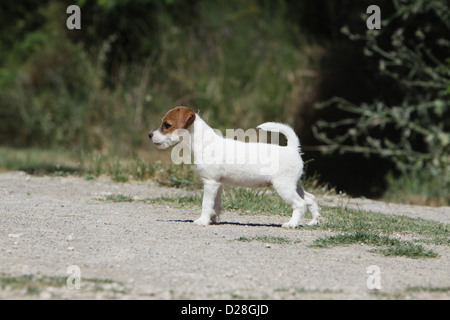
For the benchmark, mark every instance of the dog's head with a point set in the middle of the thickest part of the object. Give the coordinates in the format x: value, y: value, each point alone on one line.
x: 167, y: 135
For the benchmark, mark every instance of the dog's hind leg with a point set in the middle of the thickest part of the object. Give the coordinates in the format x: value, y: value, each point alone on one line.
x: 311, y: 204
x: 291, y: 197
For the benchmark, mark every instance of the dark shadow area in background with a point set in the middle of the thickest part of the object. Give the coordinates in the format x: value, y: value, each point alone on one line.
x: 344, y: 72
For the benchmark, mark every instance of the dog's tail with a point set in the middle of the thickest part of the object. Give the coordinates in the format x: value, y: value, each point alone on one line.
x: 292, y: 139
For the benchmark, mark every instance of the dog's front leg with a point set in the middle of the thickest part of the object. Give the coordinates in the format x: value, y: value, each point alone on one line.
x: 217, y: 206
x: 211, y: 189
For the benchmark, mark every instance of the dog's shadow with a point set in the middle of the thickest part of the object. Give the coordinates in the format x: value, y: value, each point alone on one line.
x: 249, y: 224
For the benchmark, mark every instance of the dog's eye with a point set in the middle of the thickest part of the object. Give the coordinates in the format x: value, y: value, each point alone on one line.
x: 166, y: 125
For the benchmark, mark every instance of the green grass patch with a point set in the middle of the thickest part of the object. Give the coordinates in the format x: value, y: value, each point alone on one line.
x: 308, y: 291
x: 236, y: 199
x: 428, y: 289
x: 179, y: 176
x: 49, y: 169
x: 389, y: 246
x: 119, y: 169
x: 351, y: 220
x: 191, y: 201
x: 267, y: 239
x: 406, y: 249
x: 54, y: 162
x: 254, y: 201
x: 38, y: 161
x: 421, y: 188
x: 33, y: 284
x: 355, y: 226
x: 119, y: 198
x: 353, y: 238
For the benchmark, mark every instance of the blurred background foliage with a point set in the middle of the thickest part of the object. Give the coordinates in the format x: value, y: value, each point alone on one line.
x: 382, y: 96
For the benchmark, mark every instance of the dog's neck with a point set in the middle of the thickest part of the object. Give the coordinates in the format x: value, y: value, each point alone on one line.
x: 200, y: 131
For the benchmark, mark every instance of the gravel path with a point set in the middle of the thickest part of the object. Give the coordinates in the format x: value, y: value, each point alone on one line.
x: 132, y: 250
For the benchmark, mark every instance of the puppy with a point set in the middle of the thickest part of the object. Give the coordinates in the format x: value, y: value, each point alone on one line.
x: 220, y: 161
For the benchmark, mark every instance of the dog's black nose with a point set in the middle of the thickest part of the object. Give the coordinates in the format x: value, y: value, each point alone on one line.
x: 150, y: 135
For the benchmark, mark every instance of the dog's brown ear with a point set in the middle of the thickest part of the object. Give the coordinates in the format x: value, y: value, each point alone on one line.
x: 189, y: 121
x: 186, y: 117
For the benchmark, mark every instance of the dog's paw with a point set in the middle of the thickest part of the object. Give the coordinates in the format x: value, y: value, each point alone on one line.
x: 314, y: 221
x: 215, y: 219
x: 290, y: 225
x: 202, y: 222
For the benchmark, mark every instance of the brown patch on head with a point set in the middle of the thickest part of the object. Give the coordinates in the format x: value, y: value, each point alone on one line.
x: 177, y: 118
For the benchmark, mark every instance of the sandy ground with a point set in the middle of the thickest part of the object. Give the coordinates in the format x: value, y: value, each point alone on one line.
x: 133, y: 250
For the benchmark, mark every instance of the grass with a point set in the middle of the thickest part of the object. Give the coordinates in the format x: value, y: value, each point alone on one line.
x: 389, y: 246
x: 427, y: 289
x: 350, y: 220
x: 266, y: 239
x: 306, y: 291
x: 119, y: 198
x: 359, y: 237
x: 56, y: 162
x: 339, y: 219
x: 120, y: 170
x: 33, y: 285
x: 236, y: 199
x: 191, y: 201
x: 407, y: 249
x: 38, y: 161
x: 352, y: 226
x: 254, y: 201
x: 422, y: 188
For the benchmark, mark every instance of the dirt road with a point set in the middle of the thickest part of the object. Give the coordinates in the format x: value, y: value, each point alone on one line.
x: 131, y: 250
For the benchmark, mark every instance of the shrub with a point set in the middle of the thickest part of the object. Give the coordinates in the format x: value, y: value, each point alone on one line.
x: 412, y: 50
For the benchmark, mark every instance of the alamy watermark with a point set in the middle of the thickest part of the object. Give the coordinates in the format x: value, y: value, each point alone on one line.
x: 226, y: 151
x: 374, y: 20
x: 74, y: 20
x: 374, y: 280
x: 74, y: 280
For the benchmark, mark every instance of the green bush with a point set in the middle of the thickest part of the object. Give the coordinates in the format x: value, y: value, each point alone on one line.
x: 47, y: 81
x: 235, y: 63
x: 412, y: 48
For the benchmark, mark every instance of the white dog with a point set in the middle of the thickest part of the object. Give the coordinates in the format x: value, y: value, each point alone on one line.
x: 221, y: 161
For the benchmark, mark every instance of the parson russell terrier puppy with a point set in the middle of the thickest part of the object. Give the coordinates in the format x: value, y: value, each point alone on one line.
x: 220, y: 161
